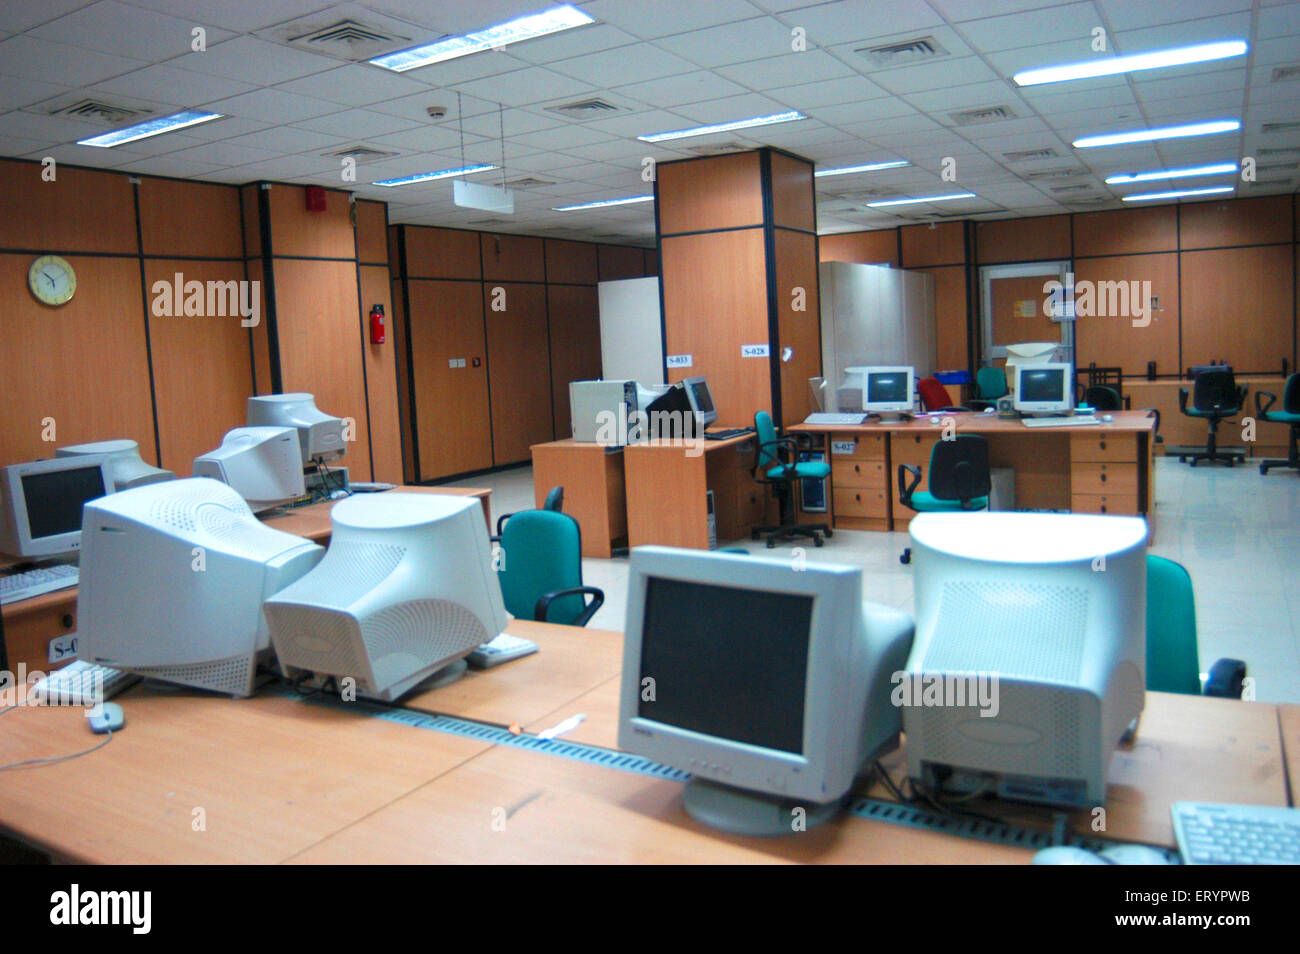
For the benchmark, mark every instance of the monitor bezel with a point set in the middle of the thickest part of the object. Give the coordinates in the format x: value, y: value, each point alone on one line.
x: 876, y: 406
x: 15, y: 498
x: 1066, y: 403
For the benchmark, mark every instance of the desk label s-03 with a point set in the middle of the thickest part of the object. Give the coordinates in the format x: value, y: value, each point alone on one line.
x: 844, y: 447
x: 679, y: 361
x: 62, y: 649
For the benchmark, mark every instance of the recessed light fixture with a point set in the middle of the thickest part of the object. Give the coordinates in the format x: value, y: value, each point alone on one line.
x: 150, y: 127
x: 604, y: 203
x: 1151, y: 196
x: 928, y: 198
x: 1111, y: 65
x: 554, y: 20
x: 869, y: 167
x: 1218, y: 168
x: 772, y: 120
x: 1167, y: 132
x: 440, y: 174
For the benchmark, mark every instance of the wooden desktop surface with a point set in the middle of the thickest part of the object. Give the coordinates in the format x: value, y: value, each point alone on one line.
x: 973, y: 423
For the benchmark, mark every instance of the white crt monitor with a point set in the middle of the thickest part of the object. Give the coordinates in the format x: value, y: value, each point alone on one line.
x: 128, y: 467
x: 262, y: 463
x: 887, y: 390
x: 173, y: 576
x: 1054, y: 606
x: 406, y: 590
x: 697, y: 392
x: 770, y: 686
x: 1044, y: 388
x: 320, y: 435
x: 41, y: 503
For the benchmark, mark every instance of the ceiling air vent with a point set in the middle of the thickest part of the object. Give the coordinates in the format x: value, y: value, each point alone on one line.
x: 1052, y: 174
x: 903, y: 53
x: 362, y: 154
x: 1029, y: 155
x: 1282, y: 74
x: 1289, y: 126
x: 1279, y: 182
x: 98, y: 111
x: 1086, y: 200
x: 1278, y: 151
x: 866, y: 195
x: 719, y: 148
x: 1084, y: 187
x: 584, y: 109
x: 982, y: 114
x: 1278, y: 166
x: 528, y: 182
x: 496, y: 220
x: 345, y: 39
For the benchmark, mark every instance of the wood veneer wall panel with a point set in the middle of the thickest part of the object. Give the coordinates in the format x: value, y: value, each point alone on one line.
x: 878, y: 247
x: 319, y: 332
x: 800, y: 331
x: 250, y: 220
x: 925, y: 246
x: 572, y: 263
x: 372, y: 233
x: 1123, y: 231
x: 949, y: 316
x: 618, y: 262
x: 82, y: 364
x: 1237, y: 305
x: 259, y: 333
x: 202, y: 370
x: 381, y: 379
x: 1113, y: 341
x: 451, y: 404
x: 518, y: 370
x: 512, y: 258
x: 442, y: 253
x: 716, y: 193
x: 574, y: 314
x: 1262, y: 221
x: 715, y: 301
x: 401, y: 348
x: 82, y: 210
x: 1023, y: 240
x: 190, y: 218
x: 295, y: 231
x: 793, y: 204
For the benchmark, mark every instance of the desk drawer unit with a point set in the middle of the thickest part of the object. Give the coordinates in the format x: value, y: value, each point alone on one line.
x: 1104, y: 474
x: 860, y: 481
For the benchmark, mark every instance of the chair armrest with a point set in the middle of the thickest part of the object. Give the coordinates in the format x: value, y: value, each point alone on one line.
x: 905, y: 492
x: 1226, y: 677
x: 787, y: 442
x: 1183, y: 395
x: 1155, y: 434
x: 1128, y: 402
x: 501, y: 522
x: 544, y: 603
x: 1260, y: 407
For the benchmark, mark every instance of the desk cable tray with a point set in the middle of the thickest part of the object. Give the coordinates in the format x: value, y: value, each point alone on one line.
x: 863, y: 806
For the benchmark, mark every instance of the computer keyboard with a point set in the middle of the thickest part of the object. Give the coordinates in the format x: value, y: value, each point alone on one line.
x: 827, y: 417
x: 1210, y: 834
x: 1072, y: 421
x: 29, y: 583
x: 727, y: 435
x: 82, y: 683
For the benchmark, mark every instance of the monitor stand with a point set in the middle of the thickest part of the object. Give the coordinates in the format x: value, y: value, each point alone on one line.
x: 435, y: 680
x: 892, y: 417
x: 738, y: 811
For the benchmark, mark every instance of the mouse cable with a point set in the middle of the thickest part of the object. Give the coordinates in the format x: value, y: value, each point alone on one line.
x: 58, y: 758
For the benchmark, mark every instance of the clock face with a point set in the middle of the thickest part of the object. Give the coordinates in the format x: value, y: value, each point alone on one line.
x: 52, y: 280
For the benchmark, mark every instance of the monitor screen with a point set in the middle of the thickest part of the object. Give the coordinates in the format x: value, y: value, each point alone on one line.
x: 1042, y: 385
x: 54, y: 499
x: 742, y: 682
x: 887, y: 387
x: 703, y: 400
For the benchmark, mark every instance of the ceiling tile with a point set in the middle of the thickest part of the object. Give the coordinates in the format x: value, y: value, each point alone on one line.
x: 272, y: 106
x: 252, y: 60
x: 17, y: 17
x: 685, y: 88
x: 237, y: 15
x: 124, y: 30
x: 667, y: 17
x: 180, y: 87
x: 788, y: 69
x: 533, y: 84
x: 940, y: 74
x: 719, y: 46
x: 356, y: 124
x: 34, y: 58
x: 354, y: 85
x: 633, y: 64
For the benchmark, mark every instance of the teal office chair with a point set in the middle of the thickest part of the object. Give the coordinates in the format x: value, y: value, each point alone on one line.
x: 990, y: 384
x: 540, y: 568
x: 777, y: 463
x: 1173, y: 662
x: 959, y: 479
x: 1289, y: 415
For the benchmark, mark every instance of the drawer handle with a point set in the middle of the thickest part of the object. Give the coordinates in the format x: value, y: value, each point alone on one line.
x: 858, y: 497
x: 857, y: 469
x: 1103, y: 445
x: 67, y: 621
x: 1103, y: 477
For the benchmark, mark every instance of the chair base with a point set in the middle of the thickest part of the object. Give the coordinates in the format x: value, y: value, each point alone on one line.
x: 1292, y: 461
x: 1190, y: 455
x: 793, y: 531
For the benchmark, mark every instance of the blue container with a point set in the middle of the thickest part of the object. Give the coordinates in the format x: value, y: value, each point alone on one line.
x: 953, y: 377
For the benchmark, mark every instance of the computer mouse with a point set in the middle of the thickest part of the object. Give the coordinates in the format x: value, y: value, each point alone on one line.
x: 1108, y: 418
x: 1063, y: 855
x: 106, y: 717
x: 988, y: 410
x: 1133, y: 855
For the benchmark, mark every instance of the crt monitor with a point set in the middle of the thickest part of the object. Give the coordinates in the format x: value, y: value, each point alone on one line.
x: 1044, y: 388
x: 263, y: 464
x: 173, y: 577
x: 128, y: 467
x: 697, y: 392
x: 1029, y: 663
x: 405, y: 592
x: 771, y: 687
x: 41, y: 504
x: 887, y: 390
x: 320, y: 435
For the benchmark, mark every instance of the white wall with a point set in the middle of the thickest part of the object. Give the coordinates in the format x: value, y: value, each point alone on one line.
x: 631, y: 337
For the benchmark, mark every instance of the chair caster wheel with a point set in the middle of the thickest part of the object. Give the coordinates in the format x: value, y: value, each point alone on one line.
x: 905, y: 557
x: 771, y: 544
x: 830, y: 533
x: 1263, y: 469
x: 818, y: 542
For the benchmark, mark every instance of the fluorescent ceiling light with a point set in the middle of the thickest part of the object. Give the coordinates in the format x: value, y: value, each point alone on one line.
x: 150, y: 127
x: 440, y: 174
x: 554, y: 20
x: 928, y: 198
x: 1149, y: 196
x: 1219, y: 168
x: 869, y: 167
x: 603, y: 203
x: 772, y: 120
x: 1167, y: 132
x: 1109, y: 66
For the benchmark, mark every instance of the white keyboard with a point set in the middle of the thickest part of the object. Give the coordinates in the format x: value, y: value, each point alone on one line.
x: 82, y: 683
x: 29, y: 583
x: 827, y: 417
x: 1236, y: 834
x: 1073, y: 421
x: 502, y: 649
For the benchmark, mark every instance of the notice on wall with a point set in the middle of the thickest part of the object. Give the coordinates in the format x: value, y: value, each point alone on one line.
x: 754, y: 351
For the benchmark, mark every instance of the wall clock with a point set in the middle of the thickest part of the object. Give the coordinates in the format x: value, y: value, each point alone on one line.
x: 52, y: 280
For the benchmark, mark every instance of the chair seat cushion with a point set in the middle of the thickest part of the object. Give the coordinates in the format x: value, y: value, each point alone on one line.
x: 1222, y: 412
x: 810, y: 469
x: 925, y: 502
x: 1282, y: 417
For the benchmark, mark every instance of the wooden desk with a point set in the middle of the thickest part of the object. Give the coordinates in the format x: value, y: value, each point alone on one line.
x: 1101, y: 468
x: 594, y: 491
x: 667, y: 485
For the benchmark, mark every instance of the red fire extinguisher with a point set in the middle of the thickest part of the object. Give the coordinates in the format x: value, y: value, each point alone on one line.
x: 377, y: 324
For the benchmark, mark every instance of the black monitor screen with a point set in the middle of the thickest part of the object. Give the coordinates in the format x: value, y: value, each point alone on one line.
x: 55, y: 498
x: 887, y: 387
x: 726, y: 662
x: 1042, y: 384
x: 703, y: 400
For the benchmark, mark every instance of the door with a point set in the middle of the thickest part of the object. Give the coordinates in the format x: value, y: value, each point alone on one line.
x: 1018, y: 306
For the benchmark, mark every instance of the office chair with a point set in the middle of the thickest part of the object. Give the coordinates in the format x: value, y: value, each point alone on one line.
x: 1289, y: 415
x: 1102, y: 397
x: 554, y: 501
x: 1173, y: 662
x: 934, y: 396
x: 540, y: 568
x: 777, y: 463
x: 1111, y: 379
x: 990, y: 384
x: 959, y: 479
x: 1216, y: 397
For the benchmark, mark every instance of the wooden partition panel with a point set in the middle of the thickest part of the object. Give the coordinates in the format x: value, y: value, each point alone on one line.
x: 249, y: 217
x: 381, y: 379
x: 574, y: 315
x: 1114, y: 341
x: 800, y: 330
x: 518, y: 370
x: 617, y: 262
x: 721, y: 192
x: 82, y: 210
x: 925, y: 246
x: 190, y: 218
x: 793, y: 202
x: 260, y: 334
x: 571, y: 263
x: 1023, y: 240
x: 1017, y: 310
x: 1124, y: 231
x: 1262, y: 221
x: 869, y: 248
x: 79, y: 368
x: 512, y: 258
x: 949, y: 316
x: 1237, y: 305
x: 295, y: 231
x: 402, y: 347
x: 372, y: 233
x: 442, y: 253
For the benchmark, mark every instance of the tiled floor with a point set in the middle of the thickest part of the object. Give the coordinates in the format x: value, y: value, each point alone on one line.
x: 1237, y: 532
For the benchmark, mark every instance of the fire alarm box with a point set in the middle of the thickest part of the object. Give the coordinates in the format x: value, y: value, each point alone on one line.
x: 377, y: 324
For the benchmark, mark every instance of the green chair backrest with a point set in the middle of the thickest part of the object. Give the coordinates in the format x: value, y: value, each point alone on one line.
x: 766, y: 431
x: 541, y: 552
x: 991, y: 382
x: 1291, y: 394
x: 1173, y: 664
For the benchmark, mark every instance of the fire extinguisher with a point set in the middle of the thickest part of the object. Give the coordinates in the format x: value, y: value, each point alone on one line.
x: 377, y: 324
